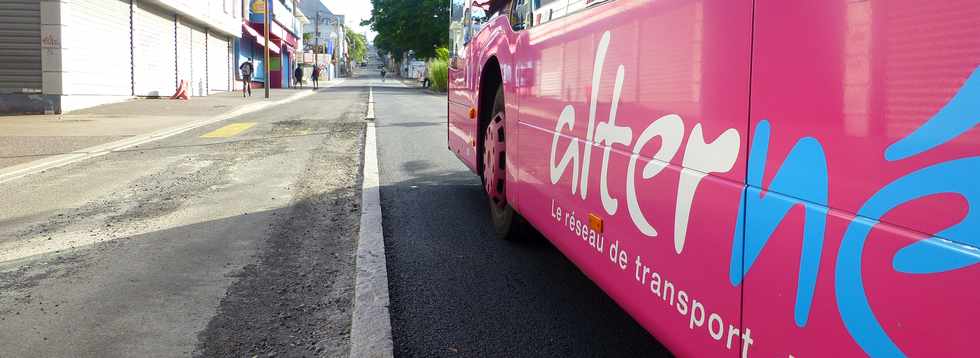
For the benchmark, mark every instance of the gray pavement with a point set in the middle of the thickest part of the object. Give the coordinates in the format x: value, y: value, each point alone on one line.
x: 32, y: 137
x: 230, y: 246
x: 457, y: 291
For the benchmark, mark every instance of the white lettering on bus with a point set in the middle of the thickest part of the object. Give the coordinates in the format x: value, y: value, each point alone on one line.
x: 609, y: 133
x: 600, y: 60
x: 670, y: 129
x: 567, y: 118
x: 701, y: 158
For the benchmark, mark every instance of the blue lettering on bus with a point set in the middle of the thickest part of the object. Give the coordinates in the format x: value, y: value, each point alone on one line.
x: 803, y: 175
x: 949, y: 250
x: 961, y: 114
x: 932, y: 255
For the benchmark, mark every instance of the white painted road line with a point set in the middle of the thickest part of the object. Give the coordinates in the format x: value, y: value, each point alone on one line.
x: 22, y: 170
x: 370, y: 333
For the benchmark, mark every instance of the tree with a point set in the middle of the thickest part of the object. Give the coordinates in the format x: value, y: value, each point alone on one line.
x: 357, y: 43
x: 417, y: 25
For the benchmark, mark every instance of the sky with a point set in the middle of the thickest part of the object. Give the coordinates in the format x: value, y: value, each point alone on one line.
x: 355, y: 11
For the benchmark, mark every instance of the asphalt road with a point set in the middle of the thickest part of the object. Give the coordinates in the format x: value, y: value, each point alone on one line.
x: 455, y: 290
x: 222, y: 247
x: 242, y: 246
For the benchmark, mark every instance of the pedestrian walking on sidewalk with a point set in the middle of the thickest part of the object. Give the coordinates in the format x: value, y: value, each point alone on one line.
x: 315, y: 76
x: 298, y: 75
x: 247, y: 70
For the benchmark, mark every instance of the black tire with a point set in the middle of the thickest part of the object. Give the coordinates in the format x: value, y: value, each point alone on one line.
x: 507, y: 223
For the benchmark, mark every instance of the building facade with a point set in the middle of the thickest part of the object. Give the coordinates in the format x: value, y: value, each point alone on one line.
x: 326, y: 44
x: 285, y: 37
x: 62, y: 55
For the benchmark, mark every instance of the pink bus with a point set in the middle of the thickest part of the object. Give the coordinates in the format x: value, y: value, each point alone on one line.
x: 768, y: 178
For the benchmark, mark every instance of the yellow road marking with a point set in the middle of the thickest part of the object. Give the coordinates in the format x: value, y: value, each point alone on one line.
x: 229, y: 131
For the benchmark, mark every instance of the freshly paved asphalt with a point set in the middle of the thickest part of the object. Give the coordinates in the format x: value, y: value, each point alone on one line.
x: 455, y: 290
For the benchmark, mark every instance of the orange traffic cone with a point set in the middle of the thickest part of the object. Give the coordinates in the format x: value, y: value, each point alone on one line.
x: 181, y: 91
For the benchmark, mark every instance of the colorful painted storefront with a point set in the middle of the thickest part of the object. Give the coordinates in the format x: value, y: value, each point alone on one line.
x: 283, y: 40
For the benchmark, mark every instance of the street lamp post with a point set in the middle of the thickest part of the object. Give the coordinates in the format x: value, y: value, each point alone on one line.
x: 265, y: 26
x: 333, y: 56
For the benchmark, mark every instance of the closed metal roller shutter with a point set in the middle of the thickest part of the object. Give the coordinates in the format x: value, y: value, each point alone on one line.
x: 219, y: 62
x: 97, y: 55
x: 199, y: 65
x: 154, y: 45
x: 20, y: 46
x: 184, y: 59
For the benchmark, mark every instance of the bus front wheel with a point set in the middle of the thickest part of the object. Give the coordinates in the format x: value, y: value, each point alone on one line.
x: 505, y: 220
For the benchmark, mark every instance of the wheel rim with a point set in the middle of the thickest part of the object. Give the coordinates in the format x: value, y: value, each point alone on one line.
x: 494, y: 165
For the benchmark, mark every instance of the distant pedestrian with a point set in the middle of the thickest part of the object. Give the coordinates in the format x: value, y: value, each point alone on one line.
x: 315, y: 76
x: 247, y: 70
x: 298, y: 74
x: 383, y: 74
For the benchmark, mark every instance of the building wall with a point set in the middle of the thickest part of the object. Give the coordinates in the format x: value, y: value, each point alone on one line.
x: 223, y: 16
x: 219, y: 62
x: 93, y: 52
x: 97, y: 59
x: 248, y: 49
x: 285, y: 31
x: 154, y: 55
x: 198, y: 61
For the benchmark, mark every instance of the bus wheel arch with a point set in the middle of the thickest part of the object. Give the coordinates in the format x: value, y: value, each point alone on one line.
x: 490, y: 81
x: 491, y: 149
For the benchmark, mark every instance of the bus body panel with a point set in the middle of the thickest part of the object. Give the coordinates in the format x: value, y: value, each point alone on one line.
x: 494, y: 43
x: 462, y: 128
x: 695, y: 58
x: 857, y: 82
x: 806, y: 171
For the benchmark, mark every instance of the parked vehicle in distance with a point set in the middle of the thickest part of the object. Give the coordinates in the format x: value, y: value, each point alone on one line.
x: 745, y: 178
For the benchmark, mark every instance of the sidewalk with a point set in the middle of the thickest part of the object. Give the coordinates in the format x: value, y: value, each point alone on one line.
x: 25, y: 139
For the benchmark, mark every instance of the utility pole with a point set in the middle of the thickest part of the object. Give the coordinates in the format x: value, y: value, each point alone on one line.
x: 297, y: 59
x: 316, y: 47
x: 265, y: 25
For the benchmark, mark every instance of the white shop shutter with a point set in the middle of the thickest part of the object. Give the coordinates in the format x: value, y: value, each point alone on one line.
x: 20, y: 46
x: 97, y: 55
x: 184, y: 59
x: 154, y: 52
x: 219, y: 62
x: 199, y: 66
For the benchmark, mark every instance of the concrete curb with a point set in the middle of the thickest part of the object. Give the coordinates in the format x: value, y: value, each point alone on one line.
x: 370, y: 334
x: 370, y: 106
x: 22, y: 170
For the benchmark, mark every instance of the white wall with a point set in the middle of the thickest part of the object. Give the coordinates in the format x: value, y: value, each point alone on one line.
x: 97, y: 56
x: 87, y: 54
x: 219, y: 15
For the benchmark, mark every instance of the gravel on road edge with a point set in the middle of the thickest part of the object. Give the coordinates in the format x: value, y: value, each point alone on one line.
x: 296, y: 300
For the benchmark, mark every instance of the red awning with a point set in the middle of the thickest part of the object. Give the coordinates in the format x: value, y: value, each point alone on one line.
x: 259, y: 39
x: 279, y: 33
x: 283, y: 34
